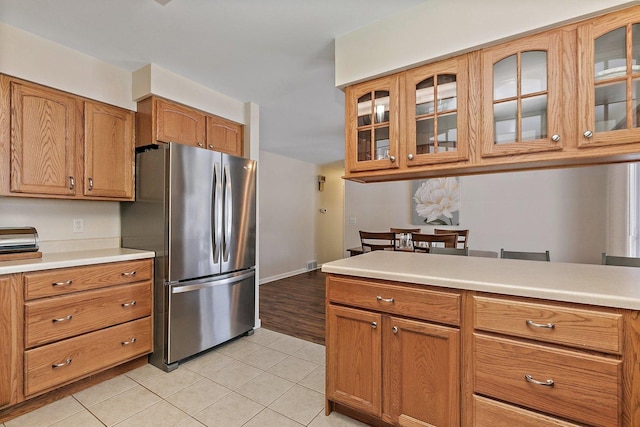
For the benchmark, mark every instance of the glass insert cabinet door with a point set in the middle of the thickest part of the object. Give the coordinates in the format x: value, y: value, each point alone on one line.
x: 372, y: 124
x: 436, y: 107
x: 609, y: 79
x: 522, y: 90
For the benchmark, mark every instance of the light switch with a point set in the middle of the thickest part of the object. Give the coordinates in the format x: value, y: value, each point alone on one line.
x: 352, y: 220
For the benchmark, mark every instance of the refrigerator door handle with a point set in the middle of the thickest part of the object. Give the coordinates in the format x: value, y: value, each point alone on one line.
x: 178, y: 289
x: 228, y: 214
x: 217, y: 213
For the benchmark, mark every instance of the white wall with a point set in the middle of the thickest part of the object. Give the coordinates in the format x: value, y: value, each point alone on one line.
x: 564, y: 211
x: 287, y: 218
x: 438, y: 28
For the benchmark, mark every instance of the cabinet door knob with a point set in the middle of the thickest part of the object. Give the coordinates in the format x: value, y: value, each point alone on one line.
x: 392, y: 159
x: 374, y: 325
x: 200, y: 144
x: 90, y: 184
x: 555, y: 138
x: 394, y: 329
x: 72, y: 183
x: 410, y: 156
x: 588, y: 134
x: 211, y: 146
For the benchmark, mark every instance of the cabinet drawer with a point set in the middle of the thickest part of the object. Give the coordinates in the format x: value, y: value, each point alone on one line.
x: 52, y: 319
x: 426, y: 304
x: 490, y: 413
x: 582, y: 328
x: 80, y: 356
x: 586, y: 388
x: 66, y: 280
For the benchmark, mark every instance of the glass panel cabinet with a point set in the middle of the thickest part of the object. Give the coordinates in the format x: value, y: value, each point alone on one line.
x: 436, y: 107
x: 372, y: 124
x: 522, y: 89
x: 609, y: 79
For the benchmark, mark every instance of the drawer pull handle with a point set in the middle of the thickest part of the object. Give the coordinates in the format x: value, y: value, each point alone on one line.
x: 61, y: 319
x: 131, y: 341
x: 63, y: 364
x: 379, y: 298
x: 540, y: 325
x: 65, y: 283
x: 547, y: 383
x: 129, y: 273
x: 128, y: 304
x: 374, y: 325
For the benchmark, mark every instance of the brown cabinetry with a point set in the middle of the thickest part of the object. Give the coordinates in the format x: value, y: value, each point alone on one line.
x: 409, y: 119
x: 46, y: 133
x: 82, y: 320
x: 10, y: 339
x: 402, y: 370
x: 609, y: 79
x: 109, y: 162
x: 561, y: 97
x: 522, y: 91
x: 161, y: 120
x: 559, y: 360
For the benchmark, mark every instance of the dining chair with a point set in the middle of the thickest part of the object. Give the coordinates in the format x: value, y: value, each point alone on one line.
x: 449, y: 251
x: 620, y: 260
x: 424, y: 242
x: 463, y: 236
x: 403, y: 237
x: 377, y: 241
x: 531, y: 256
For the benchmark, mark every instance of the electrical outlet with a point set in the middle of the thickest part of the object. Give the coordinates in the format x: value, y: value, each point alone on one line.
x: 78, y: 226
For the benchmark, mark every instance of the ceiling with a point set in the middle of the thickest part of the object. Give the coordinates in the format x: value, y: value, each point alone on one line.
x: 276, y: 53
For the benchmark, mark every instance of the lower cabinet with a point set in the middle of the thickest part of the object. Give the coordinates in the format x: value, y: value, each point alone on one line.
x: 10, y: 334
x: 399, y: 370
x: 414, y: 355
x: 62, y: 325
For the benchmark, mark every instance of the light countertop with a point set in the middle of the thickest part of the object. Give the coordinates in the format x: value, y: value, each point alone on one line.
x: 73, y: 259
x: 607, y: 286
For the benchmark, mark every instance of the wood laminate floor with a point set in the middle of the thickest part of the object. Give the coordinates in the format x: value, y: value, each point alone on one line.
x: 295, y: 306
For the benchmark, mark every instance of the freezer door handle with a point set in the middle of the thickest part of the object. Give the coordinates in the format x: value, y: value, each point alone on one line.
x: 228, y: 214
x: 217, y: 213
x: 178, y: 288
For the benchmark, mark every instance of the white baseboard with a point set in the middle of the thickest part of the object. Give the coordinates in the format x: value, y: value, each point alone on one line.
x: 285, y: 275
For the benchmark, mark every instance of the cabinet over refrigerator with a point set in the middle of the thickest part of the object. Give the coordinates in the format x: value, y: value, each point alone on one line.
x: 196, y: 209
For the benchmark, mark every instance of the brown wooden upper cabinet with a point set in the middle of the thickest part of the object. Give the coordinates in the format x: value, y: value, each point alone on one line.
x: 567, y: 96
x: 224, y: 135
x: 372, y: 124
x: 41, y: 146
x: 108, y: 151
x: 161, y: 120
x: 177, y: 123
x: 436, y: 111
x: 522, y: 92
x: 609, y: 79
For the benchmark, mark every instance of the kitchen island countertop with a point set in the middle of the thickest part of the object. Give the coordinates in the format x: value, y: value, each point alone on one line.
x: 73, y: 259
x: 607, y: 286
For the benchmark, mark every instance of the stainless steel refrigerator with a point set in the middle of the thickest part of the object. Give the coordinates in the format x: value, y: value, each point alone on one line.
x: 196, y: 209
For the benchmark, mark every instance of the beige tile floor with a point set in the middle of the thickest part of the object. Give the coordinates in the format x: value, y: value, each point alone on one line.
x: 264, y: 380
